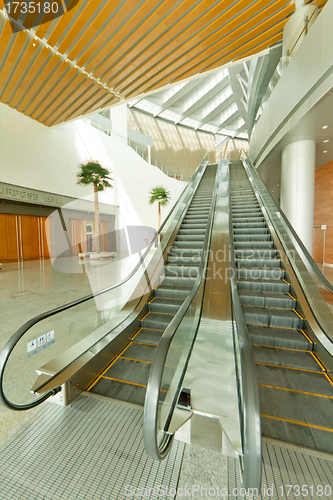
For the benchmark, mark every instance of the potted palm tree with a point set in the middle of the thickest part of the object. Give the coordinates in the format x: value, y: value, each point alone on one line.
x: 162, y: 196
x: 92, y: 173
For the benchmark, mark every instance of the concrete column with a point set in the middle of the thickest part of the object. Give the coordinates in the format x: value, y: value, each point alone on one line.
x: 298, y: 186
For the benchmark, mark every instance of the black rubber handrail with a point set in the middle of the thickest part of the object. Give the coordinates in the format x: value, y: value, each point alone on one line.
x: 294, y: 235
x: 156, y: 450
x: 251, y: 463
x: 4, y: 355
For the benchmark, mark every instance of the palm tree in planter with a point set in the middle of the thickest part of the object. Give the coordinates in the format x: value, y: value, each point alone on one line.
x: 92, y: 173
x: 162, y: 196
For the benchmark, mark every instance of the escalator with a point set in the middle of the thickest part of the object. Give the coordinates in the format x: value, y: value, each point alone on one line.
x: 138, y: 346
x: 126, y: 378
x: 296, y: 392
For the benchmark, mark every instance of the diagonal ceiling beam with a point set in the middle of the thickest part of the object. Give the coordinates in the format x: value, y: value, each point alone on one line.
x: 206, y: 97
x: 219, y: 109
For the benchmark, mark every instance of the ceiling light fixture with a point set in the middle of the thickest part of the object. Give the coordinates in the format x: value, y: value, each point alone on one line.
x: 325, y: 126
x: 326, y: 140
x: 325, y: 151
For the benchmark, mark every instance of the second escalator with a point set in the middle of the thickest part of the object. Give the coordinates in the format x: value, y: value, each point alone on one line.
x: 296, y: 393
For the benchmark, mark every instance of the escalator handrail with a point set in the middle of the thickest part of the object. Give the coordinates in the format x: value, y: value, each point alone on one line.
x: 5, y: 353
x: 294, y: 235
x: 156, y: 372
x: 249, y: 404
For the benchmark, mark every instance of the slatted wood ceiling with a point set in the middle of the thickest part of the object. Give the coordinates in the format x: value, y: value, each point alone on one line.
x: 102, y: 51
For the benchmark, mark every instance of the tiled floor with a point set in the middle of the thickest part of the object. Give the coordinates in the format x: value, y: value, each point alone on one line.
x: 92, y: 450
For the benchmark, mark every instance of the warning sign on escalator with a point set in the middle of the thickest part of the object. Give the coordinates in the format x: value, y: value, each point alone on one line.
x: 37, y: 345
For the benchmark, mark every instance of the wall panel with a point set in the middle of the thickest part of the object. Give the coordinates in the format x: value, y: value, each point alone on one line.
x: 323, y: 212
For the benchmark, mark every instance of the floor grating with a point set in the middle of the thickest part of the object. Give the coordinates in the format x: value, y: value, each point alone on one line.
x: 92, y: 450
x: 285, y: 472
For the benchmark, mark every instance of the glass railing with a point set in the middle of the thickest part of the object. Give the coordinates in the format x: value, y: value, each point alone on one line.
x: 307, y: 272
x: 171, y: 360
x: 248, y: 392
x: 50, y: 346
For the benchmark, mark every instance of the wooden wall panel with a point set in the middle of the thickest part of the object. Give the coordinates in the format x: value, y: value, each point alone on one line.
x: 11, y: 233
x: 45, y: 236
x: 323, y: 213
x: 3, y: 238
x: 77, y: 236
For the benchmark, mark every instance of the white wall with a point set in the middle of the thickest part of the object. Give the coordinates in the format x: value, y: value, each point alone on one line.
x: 312, y: 63
x: 37, y: 157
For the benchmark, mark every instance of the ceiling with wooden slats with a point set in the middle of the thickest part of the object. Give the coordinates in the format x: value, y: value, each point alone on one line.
x: 101, y: 52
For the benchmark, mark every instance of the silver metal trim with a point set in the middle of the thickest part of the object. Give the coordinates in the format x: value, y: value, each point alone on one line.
x: 251, y: 462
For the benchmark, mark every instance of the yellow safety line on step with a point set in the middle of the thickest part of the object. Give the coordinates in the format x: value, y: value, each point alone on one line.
x: 275, y: 326
x: 135, y: 359
x: 143, y: 343
x: 317, y: 360
x: 125, y: 381
x: 328, y: 378
x: 287, y: 367
x: 298, y: 314
x: 298, y: 423
x: 106, y: 369
x: 278, y: 347
x: 152, y: 329
x: 295, y: 390
x: 307, y: 336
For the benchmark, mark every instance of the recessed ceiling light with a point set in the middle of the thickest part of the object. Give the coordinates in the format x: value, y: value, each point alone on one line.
x: 325, y: 126
x: 326, y: 140
x: 33, y: 43
x: 325, y: 151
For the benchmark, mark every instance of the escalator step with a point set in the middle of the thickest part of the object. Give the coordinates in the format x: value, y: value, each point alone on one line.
x: 182, y: 271
x: 252, y: 237
x: 140, y: 352
x: 315, y: 383
x: 295, y: 406
x: 288, y: 432
x: 272, y: 317
x: 289, y: 358
x: 171, y: 279
x: 129, y: 370
x: 263, y: 253
x: 263, y: 285
x: 253, y: 244
x: 175, y: 292
x: 267, y: 299
x: 148, y: 335
x: 165, y: 305
x: 185, y: 261
x: 257, y: 262
x: 279, y: 337
x: 156, y: 321
x: 274, y: 273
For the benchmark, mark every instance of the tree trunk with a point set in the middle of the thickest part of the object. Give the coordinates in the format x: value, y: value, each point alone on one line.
x: 97, y: 243
x: 159, y: 215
